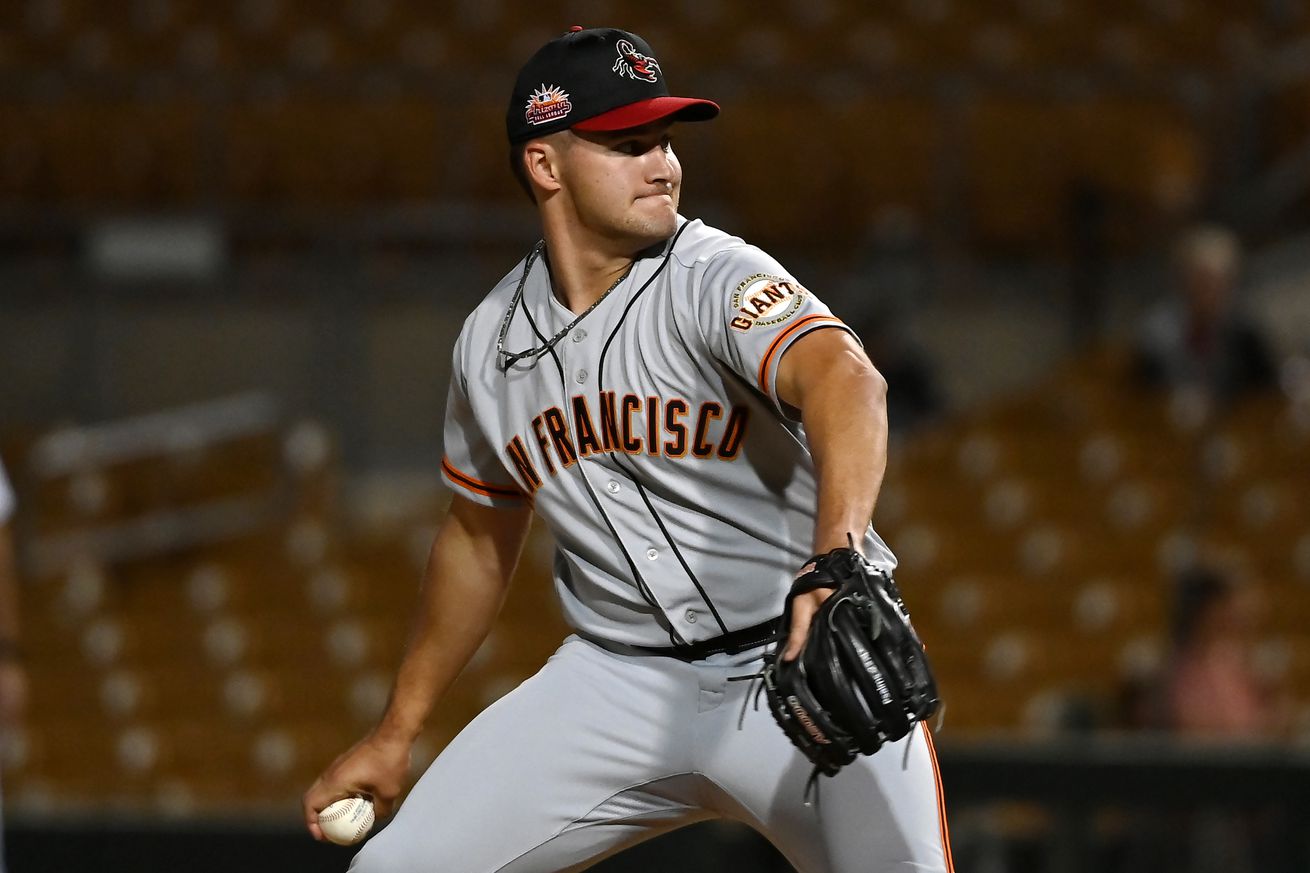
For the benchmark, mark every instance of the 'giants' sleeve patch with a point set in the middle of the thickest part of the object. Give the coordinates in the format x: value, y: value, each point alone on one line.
x: 750, y: 310
x: 765, y: 300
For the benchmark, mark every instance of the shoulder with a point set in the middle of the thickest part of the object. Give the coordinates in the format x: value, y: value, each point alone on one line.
x: 493, y: 306
x: 482, y: 326
x: 698, y: 242
x: 718, y: 258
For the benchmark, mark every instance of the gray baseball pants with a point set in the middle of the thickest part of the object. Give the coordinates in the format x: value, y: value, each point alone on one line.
x: 602, y: 749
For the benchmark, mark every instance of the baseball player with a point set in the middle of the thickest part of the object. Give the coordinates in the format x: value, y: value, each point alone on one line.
x: 693, y: 425
x: 13, y: 678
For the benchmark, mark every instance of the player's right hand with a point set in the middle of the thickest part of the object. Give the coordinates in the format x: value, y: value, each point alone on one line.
x: 803, y: 608
x: 376, y: 767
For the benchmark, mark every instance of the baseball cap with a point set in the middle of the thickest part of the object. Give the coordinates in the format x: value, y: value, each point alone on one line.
x: 595, y: 79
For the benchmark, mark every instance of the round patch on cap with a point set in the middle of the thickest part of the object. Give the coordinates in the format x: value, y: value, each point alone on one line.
x: 546, y: 104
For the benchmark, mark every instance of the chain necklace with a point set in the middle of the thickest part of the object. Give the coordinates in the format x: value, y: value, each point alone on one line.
x: 508, y: 359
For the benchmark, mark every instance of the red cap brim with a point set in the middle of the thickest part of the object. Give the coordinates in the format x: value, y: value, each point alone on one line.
x: 653, y: 109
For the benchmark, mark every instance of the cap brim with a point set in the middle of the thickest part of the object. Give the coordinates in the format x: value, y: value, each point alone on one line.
x: 653, y: 109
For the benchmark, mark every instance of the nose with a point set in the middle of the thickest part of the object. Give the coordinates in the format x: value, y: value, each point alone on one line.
x: 663, y: 169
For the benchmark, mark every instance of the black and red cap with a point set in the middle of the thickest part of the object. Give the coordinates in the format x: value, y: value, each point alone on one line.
x: 595, y: 79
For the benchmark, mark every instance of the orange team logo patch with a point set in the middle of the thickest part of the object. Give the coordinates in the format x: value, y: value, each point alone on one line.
x: 548, y: 103
x: 634, y: 64
x: 765, y: 300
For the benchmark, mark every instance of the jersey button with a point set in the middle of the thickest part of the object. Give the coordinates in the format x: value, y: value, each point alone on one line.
x: 652, y: 554
x: 690, y: 616
x: 581, y: 376
x: 612, y: 487
x: 579, y: 335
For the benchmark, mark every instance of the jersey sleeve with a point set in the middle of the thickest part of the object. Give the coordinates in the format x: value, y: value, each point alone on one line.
x: 751, y: 310
x: 470, y: 464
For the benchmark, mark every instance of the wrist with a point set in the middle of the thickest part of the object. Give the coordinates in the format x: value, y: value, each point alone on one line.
x: 825, y: 543
x: 394, y: 729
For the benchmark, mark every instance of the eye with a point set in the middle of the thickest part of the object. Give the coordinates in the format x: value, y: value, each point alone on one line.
x: 637, y: 147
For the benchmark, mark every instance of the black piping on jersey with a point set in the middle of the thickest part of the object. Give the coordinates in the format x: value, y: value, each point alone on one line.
x: 642, y: 588
x: 632, y: 473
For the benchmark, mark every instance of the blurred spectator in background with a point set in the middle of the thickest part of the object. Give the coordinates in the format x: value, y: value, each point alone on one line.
x: 887, y: 282
x: 1211, y: 691
x: 13, y: 679
x: 1199, y: 340
x: 914, y: 397
x: 1089, y: 260
x: 1211, y: 688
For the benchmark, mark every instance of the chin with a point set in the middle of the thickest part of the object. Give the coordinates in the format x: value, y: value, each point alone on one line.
x: 656, y: 223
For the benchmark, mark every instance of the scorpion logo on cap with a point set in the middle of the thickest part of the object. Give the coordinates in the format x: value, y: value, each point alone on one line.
x: 634, y: 64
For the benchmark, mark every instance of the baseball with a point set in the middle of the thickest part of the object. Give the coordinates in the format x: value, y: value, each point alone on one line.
x: 347, y: 821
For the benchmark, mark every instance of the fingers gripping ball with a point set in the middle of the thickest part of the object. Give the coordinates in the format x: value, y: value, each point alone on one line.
x: 862, y: 678
x: 347, y: 821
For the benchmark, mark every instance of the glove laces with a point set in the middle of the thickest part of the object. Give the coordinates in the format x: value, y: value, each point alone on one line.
x: 759, y: 680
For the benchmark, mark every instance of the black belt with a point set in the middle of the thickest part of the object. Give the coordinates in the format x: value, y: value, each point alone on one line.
x: 730, y: 643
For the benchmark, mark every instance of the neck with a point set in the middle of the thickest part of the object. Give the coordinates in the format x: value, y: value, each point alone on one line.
x: 584, y: 265
x: 580, y: 277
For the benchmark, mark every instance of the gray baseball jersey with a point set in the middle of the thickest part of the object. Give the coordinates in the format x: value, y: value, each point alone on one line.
x: 682, y: 496
x: 651, y: 439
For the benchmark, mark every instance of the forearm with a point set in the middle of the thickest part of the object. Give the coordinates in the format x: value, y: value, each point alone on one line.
x: 464, y: 586
x: 845, y: 417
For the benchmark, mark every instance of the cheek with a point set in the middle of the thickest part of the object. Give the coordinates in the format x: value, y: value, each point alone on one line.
x: 590, y: 185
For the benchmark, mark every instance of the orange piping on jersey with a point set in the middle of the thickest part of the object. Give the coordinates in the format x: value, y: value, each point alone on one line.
x: 941, y: 802
x: 809, y: 321
x: 486, y: 489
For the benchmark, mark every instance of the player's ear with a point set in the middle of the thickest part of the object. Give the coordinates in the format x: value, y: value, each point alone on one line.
x: 541, y: 159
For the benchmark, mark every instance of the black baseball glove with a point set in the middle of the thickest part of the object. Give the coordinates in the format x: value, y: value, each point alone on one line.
x: 862, y: 678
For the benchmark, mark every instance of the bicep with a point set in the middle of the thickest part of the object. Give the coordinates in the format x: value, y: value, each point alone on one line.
x: 820, y: 355
x: 491, y: 537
